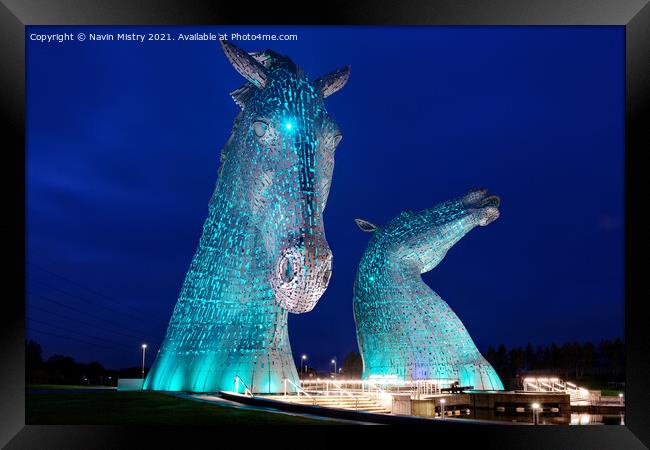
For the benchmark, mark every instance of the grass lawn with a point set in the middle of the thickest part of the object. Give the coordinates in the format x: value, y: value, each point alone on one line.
x: 599, y: 385
x: 611, y: 392
x: 64, y: 386
x: 144, y: 408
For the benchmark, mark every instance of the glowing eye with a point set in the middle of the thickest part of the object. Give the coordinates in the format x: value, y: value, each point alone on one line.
x: 260, y: 128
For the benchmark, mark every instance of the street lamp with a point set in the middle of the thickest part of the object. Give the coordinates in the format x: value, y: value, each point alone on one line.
x: 620, y: 397
x: 334, y: 362
x: 535, y: 413
x: 144, y: 349
x: 302, y: 362
x: 442, y: 408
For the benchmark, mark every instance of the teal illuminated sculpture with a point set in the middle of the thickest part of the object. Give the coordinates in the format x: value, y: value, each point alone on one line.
x: 263, y: 251
x: 404, y: 329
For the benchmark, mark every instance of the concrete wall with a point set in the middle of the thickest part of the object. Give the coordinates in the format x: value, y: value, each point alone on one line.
x: 427, y: 407
x: 129, y: 384
x: 484, y: 405
x: 402, y: 405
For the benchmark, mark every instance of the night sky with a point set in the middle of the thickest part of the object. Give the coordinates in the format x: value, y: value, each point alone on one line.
x: 123, y: 143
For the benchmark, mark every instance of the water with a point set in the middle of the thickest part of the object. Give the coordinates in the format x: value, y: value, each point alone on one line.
x: 544, y: 419
x: 597, y: 419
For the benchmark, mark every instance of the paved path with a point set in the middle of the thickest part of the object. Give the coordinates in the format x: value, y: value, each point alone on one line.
x: 211, y: 398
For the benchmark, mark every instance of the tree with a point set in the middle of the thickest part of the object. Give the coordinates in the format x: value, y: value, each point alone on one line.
x: 531, y: 360
x: 516, y: 361
x: 63, y: 370
x: 33, y: 360
x: 94, y: 372
x: 353, y: 365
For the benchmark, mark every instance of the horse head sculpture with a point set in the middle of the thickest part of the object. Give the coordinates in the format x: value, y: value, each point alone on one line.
x: 263, y: 251
x: 282, y: 154
x: 405, y: 329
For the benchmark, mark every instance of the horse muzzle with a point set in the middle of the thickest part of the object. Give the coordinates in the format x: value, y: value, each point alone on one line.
x: 300, y: 275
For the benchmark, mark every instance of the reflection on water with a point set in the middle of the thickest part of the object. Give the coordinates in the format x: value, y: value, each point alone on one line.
x: 597, y: 419
x: 544, y: 419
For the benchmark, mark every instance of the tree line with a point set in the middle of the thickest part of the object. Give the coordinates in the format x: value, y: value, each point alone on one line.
x: 569, y: 361
x: 61, y: 369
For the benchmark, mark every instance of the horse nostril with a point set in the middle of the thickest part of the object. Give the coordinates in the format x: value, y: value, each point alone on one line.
x: 326, y: 276
x: 492, y: 200
x: 287, y: 272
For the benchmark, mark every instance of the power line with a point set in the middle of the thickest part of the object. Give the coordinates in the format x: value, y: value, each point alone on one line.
x: 49, y: 286
x: 77, y: 340
x: 92, y: 290
x: 103, y: 319
x: 76, y: 320
x: 105, y: 341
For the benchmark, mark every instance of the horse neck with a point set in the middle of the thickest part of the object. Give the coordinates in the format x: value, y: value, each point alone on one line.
x: 230, y: 238
x: 379, y: 267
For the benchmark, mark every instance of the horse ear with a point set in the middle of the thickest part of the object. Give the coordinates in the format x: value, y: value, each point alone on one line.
x: 242, y: 94
x: 333, y: 81
x: 247, y: 66
x: 366, y: 226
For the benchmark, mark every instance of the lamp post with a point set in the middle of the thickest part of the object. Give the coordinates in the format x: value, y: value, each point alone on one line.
x: 144, y: 349
x: 303, y: 359
x: 442, y: 408
x: 535, y: 413
x: 334, y: 362
x: 620, y: 397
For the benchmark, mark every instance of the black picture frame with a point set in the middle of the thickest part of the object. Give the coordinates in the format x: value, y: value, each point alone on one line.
x: 634, y: 15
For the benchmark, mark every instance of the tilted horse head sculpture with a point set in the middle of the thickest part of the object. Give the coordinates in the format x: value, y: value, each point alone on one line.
x: 263, y: 251
x: 404, y: 329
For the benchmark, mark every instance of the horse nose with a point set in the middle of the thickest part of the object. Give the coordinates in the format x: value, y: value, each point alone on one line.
x: 288, y: 266
x: 309, y: 254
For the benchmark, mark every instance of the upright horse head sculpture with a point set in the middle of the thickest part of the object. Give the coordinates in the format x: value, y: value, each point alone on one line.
x: 263, y: 251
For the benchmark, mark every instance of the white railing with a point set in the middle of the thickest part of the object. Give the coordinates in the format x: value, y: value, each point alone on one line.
x: 299, y: 390
x: 381, y: 396
x: 432, y: 386
x: 247, y: 391
x: 576, y: 394
x: 379, y: 389
x: 348, y: 393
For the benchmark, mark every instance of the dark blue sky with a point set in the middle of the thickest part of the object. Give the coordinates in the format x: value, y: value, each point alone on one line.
x: 123, y: 144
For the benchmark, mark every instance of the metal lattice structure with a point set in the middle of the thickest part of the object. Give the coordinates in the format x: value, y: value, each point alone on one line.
x: 263, y: 251
x: 404, y: 329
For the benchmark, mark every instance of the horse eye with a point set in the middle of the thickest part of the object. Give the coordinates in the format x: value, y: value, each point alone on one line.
x: 260, y: 128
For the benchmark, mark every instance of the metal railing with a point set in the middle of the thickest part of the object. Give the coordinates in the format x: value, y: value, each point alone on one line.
x: 247, y: 391
x: 299, y: 390
x: 384, y: 386
x: 576, y: 393
x: 348, y: 393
